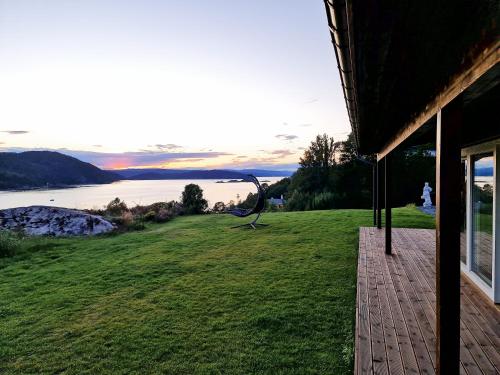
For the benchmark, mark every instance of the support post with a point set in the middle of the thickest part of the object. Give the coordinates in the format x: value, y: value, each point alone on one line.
x: 374, y: 193
x: 388, y: 205
x: 379, y: 194
x: 448, y: 164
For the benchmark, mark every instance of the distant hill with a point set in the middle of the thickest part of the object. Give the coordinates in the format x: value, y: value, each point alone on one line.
x: 33, y: 169
x: 186, y: 174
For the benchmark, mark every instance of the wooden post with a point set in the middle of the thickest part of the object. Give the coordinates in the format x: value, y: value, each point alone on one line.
x: 379, y: 194
x: 374, y: 193
x: 388, y: 205
x: 448, y: 164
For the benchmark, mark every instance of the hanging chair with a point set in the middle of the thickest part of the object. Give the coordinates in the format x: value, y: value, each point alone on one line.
x: 257, y: 209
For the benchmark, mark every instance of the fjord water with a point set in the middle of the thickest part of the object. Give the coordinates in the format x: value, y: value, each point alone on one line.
x: 132, y: 192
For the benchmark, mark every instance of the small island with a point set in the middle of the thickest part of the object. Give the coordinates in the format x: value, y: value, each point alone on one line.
x: 229, y: 181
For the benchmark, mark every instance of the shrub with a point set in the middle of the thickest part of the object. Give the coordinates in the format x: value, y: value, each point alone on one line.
x: 150, y: 216
x: 127, y: 222
x: 116, y: 207
x: 10, y: 243
x: 219, y: 207
x: 163, y: 216
x: 133, y: 219
x: 127, y: 218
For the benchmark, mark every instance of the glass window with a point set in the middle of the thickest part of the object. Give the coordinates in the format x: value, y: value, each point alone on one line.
x: 482, y: 216
x: 463, y: 210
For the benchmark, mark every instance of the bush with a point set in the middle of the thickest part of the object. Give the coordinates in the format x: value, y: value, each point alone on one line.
x: 116, y: 207
x: 10, y: 243
x: 193, y: 201
x: 150, y: 216
x: 163, y: 216
x: 219, y: 207
x: 127, y: 222
x: 133, y: 219
x: 127, y: 218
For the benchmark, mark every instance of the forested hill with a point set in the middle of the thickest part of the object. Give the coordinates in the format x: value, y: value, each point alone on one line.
x: 195, y: 174
x: 33, y: 169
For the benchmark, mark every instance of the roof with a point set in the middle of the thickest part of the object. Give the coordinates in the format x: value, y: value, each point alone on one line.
x: 276, y: 201
x: 395, y: 57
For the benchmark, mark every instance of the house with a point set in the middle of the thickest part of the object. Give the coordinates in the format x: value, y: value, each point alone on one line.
x: 414, y: 72
x: 277, y: 202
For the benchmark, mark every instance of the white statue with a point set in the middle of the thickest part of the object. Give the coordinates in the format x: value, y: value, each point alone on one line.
x: 426, y: 195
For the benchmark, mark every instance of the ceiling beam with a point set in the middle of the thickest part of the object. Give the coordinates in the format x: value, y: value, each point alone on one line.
x: 485, y: 61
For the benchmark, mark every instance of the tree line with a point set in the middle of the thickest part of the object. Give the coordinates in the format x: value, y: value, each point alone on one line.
x: 332, y: 175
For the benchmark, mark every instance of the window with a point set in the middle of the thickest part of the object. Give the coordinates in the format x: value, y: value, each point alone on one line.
x: 463, y: 211
x: 482, y: 216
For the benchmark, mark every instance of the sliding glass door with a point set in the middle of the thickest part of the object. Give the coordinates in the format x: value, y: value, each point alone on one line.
x: 482, y: 216
x: 463, y: 211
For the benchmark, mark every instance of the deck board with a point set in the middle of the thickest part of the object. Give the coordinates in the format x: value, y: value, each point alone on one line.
x: 396, y: 306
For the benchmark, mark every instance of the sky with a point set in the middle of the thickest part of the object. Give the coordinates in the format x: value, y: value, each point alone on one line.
x: 169, y: 84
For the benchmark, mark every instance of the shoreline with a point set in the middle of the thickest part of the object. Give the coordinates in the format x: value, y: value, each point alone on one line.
x: 60, y: 187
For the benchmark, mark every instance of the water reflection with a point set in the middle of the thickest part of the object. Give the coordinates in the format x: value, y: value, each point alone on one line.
x: 132, y: 192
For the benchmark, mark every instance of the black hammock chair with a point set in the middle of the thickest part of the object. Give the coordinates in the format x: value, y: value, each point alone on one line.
x: 257, y: 209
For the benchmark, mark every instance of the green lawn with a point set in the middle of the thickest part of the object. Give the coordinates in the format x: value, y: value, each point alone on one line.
x: 191, y: 296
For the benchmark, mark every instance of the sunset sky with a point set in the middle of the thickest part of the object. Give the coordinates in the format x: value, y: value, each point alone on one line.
x: 174, y: 84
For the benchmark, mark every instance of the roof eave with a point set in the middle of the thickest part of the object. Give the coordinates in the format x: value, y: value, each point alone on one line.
x: 339, y: 17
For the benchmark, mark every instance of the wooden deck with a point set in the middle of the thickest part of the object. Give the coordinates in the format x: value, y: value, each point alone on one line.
x: 395, y: 310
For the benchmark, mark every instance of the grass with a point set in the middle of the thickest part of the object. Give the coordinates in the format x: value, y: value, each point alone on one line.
x: 484, y: 223
x: 191, y: 296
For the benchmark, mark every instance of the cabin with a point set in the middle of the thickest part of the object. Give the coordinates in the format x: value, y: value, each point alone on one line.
x: 415, y: 72
x: 277, y: 202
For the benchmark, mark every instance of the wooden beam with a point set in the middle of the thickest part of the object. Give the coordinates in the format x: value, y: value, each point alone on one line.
x: 388, y: 205
x: 485, y: 61
x: 448, y: 175
x: 379, y: 194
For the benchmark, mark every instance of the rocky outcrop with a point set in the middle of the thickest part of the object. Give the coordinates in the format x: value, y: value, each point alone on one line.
x: 53, y: 221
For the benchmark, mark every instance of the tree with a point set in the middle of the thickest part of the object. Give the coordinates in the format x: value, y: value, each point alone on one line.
x: 333, y: 175
x: 250, y: 201
x: 277, y: 189
x: 219, y: 207
x: 192, y: 200
x: 321, y: 153
x: 316, y: 165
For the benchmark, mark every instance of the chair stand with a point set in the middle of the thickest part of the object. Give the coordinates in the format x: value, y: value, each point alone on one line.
x: 253, y: 224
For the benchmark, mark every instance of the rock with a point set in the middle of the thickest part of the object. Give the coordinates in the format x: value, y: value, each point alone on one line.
x: 53, y: 221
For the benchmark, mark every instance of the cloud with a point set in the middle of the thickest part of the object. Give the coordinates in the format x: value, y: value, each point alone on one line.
x: 15, y: 132
x: 167, y: 146
x: 269, y: 163
x: 142, y: 158
x: 271, y: 158
x: 311, y: 101
x: 281, y: 153
x: 287, y: 137
x: 96, y: 145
